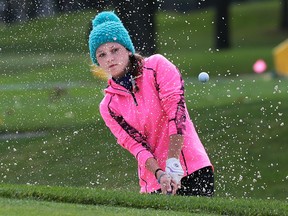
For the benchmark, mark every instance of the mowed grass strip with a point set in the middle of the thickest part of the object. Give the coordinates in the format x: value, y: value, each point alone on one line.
x: 135, y: 200
x: 32, y: 207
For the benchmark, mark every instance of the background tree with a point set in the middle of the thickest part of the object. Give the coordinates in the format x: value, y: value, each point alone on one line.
x: 139, y: 18
x: 9, y: 14
x: 39, y: 8
x: 222, y: 35
x: 284, y: 15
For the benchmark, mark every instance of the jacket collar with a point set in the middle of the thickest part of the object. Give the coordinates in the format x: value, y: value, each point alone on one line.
x: 116, y: 88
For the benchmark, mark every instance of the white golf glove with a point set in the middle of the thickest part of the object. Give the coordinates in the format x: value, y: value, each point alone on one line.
x: 174, y: 169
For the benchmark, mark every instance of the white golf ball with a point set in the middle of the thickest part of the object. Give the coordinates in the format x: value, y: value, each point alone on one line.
x: 203, y: 77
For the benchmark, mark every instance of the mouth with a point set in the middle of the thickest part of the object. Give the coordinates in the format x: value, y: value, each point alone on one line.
x: 113, y: 65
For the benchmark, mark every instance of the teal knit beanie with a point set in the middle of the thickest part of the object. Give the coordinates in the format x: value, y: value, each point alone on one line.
x: 107, y: 27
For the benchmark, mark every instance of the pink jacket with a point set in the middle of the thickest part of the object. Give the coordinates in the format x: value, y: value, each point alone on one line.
x: 142, y: 122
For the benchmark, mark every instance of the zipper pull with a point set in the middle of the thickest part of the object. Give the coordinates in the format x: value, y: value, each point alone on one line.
x: 135, y: 88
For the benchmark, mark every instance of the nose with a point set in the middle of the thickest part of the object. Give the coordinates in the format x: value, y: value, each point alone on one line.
x: 110, y: 58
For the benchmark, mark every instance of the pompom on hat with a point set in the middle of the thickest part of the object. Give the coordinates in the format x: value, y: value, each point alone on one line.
x: 107, y: 27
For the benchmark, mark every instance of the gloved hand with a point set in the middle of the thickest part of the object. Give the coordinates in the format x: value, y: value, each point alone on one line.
x: 174, y: 169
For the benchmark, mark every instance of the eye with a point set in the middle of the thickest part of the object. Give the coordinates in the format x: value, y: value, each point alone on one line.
x: 115, y: 50
x: 101, y: 55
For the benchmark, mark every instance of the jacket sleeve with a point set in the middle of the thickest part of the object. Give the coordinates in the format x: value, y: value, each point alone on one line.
x: 171, y: 93
x: 127, y: 136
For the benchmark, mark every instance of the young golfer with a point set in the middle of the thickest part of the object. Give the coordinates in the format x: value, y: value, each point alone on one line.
x: 144, y: 107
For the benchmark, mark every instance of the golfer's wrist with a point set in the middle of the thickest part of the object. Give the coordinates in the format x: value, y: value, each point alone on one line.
x: 159, y: 175
x: 157, y: 171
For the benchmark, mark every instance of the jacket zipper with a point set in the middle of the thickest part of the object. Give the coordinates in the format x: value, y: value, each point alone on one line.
x: 132, y: 94
x: 134, y: 98
x: 134, y: 87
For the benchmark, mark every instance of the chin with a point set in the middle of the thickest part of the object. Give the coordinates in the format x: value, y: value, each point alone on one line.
x: 117, y: 74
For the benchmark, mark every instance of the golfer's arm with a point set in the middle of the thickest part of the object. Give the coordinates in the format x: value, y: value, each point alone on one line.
x: 175, y: 146
x: 152, y: 166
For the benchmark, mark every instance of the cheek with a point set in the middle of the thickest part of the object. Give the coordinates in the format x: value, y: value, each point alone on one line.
x: 101, y: 62
x: 125, y: 59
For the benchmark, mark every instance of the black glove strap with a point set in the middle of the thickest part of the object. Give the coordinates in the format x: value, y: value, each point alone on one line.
x: 156, y: 172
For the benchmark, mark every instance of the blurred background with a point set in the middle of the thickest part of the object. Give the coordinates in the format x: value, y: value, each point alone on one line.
x: 136, y: 15
x: 51, y: 132
x: 226, y: 28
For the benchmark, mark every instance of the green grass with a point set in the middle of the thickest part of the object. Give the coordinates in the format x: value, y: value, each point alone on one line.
x: 34, y: 108
x: 241, y: 121
x: 26, y: 207
x: 133, y: 201
x: 46, y: 88
x: 45, y: 68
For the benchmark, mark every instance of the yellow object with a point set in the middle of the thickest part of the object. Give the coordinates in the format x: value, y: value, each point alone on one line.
x: 281, y: 58
x: 99, y: 72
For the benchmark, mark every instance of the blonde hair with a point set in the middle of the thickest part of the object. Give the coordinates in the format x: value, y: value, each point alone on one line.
x: 98, y: 72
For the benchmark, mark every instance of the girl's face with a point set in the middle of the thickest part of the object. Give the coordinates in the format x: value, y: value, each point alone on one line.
x: 113, y: 58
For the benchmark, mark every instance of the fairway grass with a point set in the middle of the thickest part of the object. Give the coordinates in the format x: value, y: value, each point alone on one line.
x: 28, y: 207
x: 242, y: 122
x: 142, y: 202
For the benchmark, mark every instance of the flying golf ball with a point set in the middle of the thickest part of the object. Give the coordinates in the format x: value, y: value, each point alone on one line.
x: 203, y: 77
